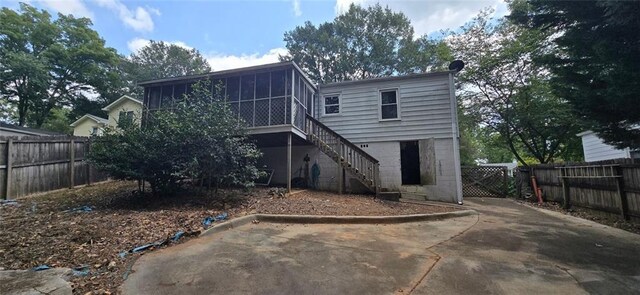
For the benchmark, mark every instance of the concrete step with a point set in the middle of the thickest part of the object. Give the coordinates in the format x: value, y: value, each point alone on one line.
x: 389, y: 196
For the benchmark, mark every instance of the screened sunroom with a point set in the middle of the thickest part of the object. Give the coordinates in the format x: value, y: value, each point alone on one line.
x: 269, y: 98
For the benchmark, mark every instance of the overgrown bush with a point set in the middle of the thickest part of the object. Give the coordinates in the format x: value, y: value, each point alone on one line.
x: 198, y: 139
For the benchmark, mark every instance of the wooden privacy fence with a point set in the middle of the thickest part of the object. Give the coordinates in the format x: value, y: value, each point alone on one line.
x: 608, y: 186
x: 40, y: 164
x: 485, y: 181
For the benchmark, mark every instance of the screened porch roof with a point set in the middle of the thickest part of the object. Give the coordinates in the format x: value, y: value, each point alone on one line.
x: 230, y: 72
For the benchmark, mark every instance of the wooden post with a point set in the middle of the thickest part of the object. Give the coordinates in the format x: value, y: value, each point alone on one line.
x: 289, y: 162
x: 72, y: 159
x: 566, y: 197
x: 8, y: 180
x: 340, y: 167
x: 505, y: 179
x: 621, y: 193
x: 376, y: 177
x: 86, y: 161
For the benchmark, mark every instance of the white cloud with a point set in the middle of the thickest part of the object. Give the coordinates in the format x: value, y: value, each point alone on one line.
x: 220, y: 62
x: 296, y: 7
x: 138, y: 19
x: 75, y: 7
x: 430, y: 16
x: 137, y: 43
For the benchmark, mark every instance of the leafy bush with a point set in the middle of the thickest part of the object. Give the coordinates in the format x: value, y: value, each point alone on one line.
x: 199, y: 139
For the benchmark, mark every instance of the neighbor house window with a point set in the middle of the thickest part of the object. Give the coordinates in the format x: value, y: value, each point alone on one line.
x: 94, y: 130
x: 331, y: 104
x: 389, y: 104
x: 125, y: 117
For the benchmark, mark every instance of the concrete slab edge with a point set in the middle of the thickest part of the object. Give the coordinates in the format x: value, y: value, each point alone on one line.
x: 276, y: 218
x: 434, y: 203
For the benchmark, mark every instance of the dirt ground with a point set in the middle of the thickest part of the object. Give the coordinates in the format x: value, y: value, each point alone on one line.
x: 40, y: 230
x: 606, y: 219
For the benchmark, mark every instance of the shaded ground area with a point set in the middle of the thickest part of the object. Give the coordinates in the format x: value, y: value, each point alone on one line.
x: 38, y: 231
x: 515, y: 249
x: 509, y: 248
x: 270, y: 258
x: 599, y: 217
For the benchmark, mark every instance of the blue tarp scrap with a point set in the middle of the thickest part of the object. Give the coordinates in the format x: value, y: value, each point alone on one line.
x: 41, y: 267
x: 81, y: 271
x: 145, y: 247
x: 209, y: 220
x: 80, y: 209
x: 8, y: 202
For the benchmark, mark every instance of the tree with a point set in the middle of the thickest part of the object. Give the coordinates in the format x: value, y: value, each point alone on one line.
x: 199, y: 139
x: 45, y: 63
x: 159, y: 60
x: 510, y: 94
x: 359, y: 44
x: 597, y: 64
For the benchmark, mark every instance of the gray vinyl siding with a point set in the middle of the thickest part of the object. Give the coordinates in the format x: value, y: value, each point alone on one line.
x: 424, y: 108
x: 596, y: 150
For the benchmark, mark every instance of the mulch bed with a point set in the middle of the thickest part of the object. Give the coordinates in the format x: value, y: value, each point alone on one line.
x: 40, y: 230
x: 605, y: 219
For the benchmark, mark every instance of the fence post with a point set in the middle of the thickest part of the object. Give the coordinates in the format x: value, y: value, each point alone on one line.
x: 8, y: 170
x: 72, y: 160
x: 565, y: 189
x: 506, y: 181
x: 86, y: 161
x: 621, y: 193
x: 340, y: 167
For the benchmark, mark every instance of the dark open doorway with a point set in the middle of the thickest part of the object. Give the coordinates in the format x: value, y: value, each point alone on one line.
x: 410, y: 162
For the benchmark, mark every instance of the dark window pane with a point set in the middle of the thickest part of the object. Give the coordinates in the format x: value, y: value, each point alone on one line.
x: 145, y: 98
x: 178, y: 91
x: 390, y: 111
x: 248, y: 86
x: 331, y: 100
x: 262, y: 85
x: 388, y: 97
x: 334, y: 109
x: 277, y: 83
x: 154, y: 97
x: 233, y: 88
x: 287, y: 88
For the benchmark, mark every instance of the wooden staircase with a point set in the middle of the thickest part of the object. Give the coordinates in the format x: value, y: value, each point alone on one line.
x: 351, y: 158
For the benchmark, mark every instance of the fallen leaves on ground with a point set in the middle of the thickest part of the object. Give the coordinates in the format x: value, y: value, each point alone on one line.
x: 41, y: 230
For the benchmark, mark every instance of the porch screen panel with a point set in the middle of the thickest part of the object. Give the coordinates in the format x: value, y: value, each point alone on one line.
x: 262, y: 112
x: 167, y: 97
x: 246, y: 112
x: 278, y: 111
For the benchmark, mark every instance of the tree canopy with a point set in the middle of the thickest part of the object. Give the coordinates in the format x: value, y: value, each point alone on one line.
x: 361, y: 43
x: 507, y: 93
x: 46, y: 64
x: 596, y: 65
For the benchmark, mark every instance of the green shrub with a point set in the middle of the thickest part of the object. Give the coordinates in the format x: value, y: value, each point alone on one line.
x: 199, y: 139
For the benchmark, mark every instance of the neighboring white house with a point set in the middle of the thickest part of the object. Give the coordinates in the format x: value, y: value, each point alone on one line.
x: 396, y: 134
x: 596, y: 150
x: 125, y: 107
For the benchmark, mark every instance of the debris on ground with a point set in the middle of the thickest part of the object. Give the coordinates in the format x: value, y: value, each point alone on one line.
x: 602, y: 218
x: 40, y: 232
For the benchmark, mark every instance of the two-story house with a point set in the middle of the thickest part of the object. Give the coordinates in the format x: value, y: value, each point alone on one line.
x: 125, y: 107
x: 397, y: 134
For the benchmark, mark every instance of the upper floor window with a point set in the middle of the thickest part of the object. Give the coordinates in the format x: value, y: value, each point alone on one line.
x: 389, y: 104
x: 125, y: 117
x: 331, y: 104
x: 94, y: 130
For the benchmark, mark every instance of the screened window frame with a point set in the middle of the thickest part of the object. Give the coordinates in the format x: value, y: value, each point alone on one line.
x: 397, y: 104
x: 324, y: 105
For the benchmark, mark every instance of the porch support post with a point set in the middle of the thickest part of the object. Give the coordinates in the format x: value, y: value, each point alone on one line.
x: 289, y: 162
x: 341, y: 161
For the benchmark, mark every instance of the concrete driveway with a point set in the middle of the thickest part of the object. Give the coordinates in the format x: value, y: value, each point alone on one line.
x: 507, y: 249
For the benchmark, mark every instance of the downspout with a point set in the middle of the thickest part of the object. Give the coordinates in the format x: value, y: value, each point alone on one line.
x: 456, y: 138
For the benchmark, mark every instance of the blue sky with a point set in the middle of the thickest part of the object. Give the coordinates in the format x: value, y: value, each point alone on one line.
x: 240, y: 33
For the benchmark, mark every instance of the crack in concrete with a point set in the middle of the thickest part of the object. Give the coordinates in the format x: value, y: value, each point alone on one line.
x: 438, y: 257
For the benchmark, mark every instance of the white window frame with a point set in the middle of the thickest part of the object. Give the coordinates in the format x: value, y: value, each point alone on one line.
x: 339, y: 104
x: 397, y: 90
